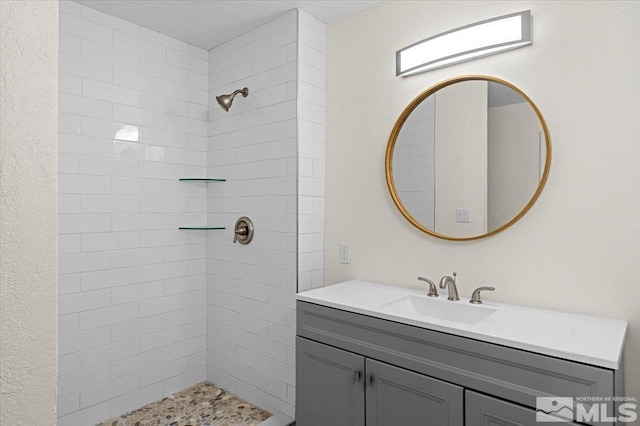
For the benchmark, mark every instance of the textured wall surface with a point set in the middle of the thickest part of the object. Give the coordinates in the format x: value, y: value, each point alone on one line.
x: 132, y: 303
x: 578, y: 248
x: 28, y: 240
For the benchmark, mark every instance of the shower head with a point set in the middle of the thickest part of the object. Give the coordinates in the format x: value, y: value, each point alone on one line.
x: 225, y: 101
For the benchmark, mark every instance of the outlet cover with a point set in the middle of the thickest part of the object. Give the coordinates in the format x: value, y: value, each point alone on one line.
x: 345, y: 253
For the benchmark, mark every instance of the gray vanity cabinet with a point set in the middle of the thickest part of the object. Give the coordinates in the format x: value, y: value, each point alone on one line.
x: 396, y: 396
x: 331, y: 382
x: 355, y: 369
x: 333, y: 386
x: 483, y: 410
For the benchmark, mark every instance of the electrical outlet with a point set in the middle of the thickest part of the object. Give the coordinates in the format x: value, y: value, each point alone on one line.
x: 345, y: 253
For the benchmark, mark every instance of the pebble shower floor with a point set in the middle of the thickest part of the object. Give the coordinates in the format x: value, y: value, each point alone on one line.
x: 201, y: 405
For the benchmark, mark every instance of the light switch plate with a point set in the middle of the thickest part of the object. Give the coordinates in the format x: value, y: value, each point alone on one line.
x: 463, y: 215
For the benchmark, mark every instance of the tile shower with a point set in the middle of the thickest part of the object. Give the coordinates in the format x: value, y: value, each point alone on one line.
x: 145, y: 309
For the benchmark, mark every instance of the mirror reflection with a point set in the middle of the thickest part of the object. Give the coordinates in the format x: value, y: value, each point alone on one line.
x: 468, y: 159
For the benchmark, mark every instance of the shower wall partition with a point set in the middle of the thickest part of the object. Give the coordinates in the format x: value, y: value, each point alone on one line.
x: 270, y: 147
x: 146, y: 309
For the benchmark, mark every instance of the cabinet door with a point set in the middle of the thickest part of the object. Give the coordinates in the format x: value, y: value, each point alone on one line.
x: 396, y: 396
x: 482, y: 410
x: 329, y: 386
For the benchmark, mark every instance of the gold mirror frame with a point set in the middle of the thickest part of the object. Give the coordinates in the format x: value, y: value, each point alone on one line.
x: 388, y: 162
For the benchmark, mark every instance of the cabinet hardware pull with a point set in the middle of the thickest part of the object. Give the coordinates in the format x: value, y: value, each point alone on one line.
x: 369, y: 379
x: 357, y: 375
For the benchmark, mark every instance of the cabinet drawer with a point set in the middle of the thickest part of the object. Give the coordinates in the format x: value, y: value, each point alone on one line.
x: 508, y: 373
x: 482, y: 410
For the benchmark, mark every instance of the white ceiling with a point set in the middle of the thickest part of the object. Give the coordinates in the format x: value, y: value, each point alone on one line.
x: 208, y: 23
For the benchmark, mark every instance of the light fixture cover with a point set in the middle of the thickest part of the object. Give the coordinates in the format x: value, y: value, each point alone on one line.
x: 465, y: 43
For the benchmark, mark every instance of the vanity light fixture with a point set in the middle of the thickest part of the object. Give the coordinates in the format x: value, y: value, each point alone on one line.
x: 465, y: 43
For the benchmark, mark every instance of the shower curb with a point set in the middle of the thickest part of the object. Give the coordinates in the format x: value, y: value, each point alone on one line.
x: 278, y: 419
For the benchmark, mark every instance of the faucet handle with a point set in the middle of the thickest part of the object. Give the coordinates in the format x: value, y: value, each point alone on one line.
x: 475, y: 297
x: 433, y: 291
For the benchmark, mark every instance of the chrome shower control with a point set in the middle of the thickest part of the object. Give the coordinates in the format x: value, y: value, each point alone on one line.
x: 243, y: 231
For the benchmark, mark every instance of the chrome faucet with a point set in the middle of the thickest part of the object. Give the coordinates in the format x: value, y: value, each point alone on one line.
x: 433, y: 291
x: 450, y: 283
x: 475, y: 297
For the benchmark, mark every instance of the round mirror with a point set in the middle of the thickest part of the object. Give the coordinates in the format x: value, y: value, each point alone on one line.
x: 467, y: 158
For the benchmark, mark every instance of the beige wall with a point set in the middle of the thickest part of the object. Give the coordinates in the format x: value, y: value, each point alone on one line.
x: 578, y: 248
x: 28, y: 207
x: 514, y: 140
x: 461, y: 158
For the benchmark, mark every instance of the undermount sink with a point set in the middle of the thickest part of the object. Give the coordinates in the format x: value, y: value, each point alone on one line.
x: 439, y: 309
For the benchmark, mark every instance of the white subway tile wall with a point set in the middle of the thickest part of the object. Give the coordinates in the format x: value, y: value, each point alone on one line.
x: 251, y: 289
x: 414, y: 163
x: 146, y: 310
x: 311, y: 157
x: 132, y: 304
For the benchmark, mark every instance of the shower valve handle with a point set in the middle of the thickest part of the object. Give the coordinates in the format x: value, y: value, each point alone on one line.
x: 242, y: 231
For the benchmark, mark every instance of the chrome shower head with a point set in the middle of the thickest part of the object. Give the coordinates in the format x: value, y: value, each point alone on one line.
x: 225, y: 101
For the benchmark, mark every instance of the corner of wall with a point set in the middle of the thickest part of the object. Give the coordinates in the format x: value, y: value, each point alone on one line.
x: 254, y: 145
x: 312, y: 43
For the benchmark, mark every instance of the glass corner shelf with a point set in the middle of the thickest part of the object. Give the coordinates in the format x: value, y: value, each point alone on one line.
x: 202, y: 179
x: 201, y: 228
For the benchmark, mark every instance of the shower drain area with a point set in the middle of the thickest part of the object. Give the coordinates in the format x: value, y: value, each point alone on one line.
x: 201, y: 405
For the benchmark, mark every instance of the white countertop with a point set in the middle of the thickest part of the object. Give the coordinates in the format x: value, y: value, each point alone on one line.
x: 586, y: 339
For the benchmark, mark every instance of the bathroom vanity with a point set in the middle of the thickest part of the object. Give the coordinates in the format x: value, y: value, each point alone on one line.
x: 376, y: 355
